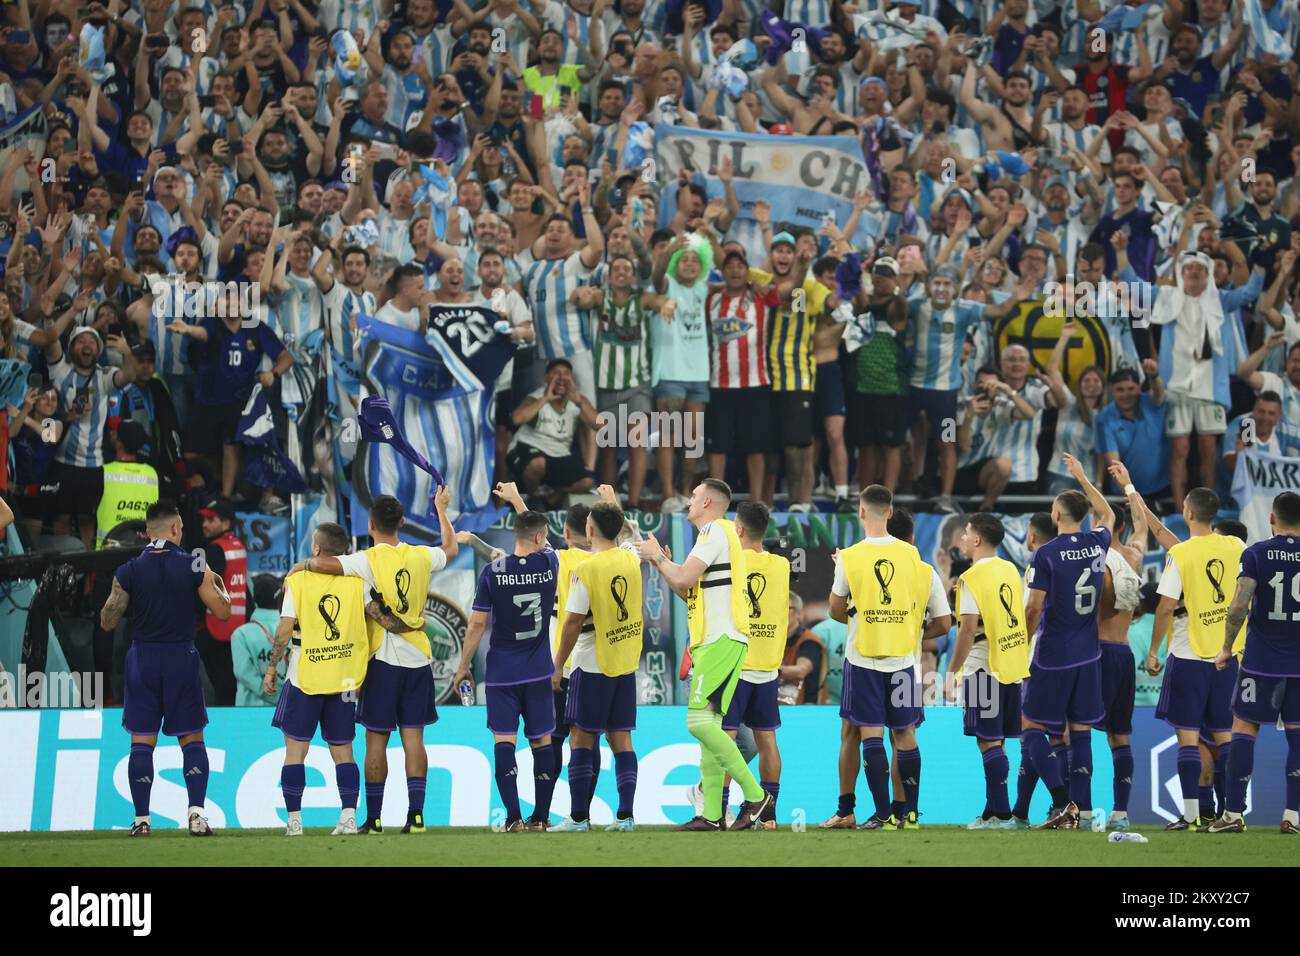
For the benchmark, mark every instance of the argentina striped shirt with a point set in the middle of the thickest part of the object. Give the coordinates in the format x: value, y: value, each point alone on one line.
x: 937, y: 340
x: 562, y: 330
x: 1018, y: 439
x: 83, y: 441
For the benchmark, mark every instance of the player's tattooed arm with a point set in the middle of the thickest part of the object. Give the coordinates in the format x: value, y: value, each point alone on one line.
x: 479, y: 546
x: 383, y: 615
x: 114, y: 607
x: 213, y: 594
x: 279, y: 647
x: 1236, y: 618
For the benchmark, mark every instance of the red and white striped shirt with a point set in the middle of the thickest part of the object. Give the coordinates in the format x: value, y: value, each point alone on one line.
x: 738, y: 328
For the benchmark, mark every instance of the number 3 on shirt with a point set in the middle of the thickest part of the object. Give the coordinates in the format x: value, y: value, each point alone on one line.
x: 529, y: 604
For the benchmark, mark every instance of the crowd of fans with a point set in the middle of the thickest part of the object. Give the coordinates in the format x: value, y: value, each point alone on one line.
x: 328, y: 160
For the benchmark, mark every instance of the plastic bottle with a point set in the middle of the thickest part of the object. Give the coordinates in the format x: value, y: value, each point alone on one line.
x: 466, y: 689
x: 1129, y: 837
x: 1098, y: 820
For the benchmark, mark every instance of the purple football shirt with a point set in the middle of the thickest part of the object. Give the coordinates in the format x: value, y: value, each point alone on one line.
x: 1071, y: 569
x: 520, y: 595
x: 1273, y: 627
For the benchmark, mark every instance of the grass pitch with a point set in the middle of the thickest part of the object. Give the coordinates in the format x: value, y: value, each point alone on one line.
x: 650, y: 846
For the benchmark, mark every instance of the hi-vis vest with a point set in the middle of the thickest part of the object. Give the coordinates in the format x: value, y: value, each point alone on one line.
x: 130, y: 487
x: 996, y: 585
x: 890, y: 587
x: 725, y: 575
x: 333, y: 631
x: 1208, y: 566
x: 402, y: 573
x: 613, y: 580
x: 767, y: 592
x: 236, y: 578
x: 570, y: 558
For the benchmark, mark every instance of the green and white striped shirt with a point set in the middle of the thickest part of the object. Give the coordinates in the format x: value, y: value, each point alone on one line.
x: 622, y: 352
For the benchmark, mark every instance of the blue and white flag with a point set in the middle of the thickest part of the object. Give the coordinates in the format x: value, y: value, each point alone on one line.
x: 1257, y: 27
x: 1126, y: 19
x: 802, y: 178
x: 439, y: 192
x: 13, y: 382
x: 439, y: 391
x: 90, y: 52
x: 265, y: 463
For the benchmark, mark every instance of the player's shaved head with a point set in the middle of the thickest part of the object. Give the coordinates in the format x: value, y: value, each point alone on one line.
x: 1201, y: 505
x: 877, y: 499
x: 331, y: 539
x: 719, y: 490
x: 754, y: 518
x: 901, y: 524
x: 1286, y: 511
x: 386, y: 514
x: 606, y: 520
x: 161, y: 517
x: 528, y: 524
x: 1072, y: 505
x: 988, y: 528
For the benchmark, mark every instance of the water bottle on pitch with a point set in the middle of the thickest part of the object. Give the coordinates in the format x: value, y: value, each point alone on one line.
x: 466, y: 689
x: 1128, y: 837
x: 1098, y: 820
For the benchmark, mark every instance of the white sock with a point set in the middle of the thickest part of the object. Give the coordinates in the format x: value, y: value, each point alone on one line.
x: 1232, y: 815
x: 194, y: 810
x: 1119, y: 814
x: 1292, y: 817
x: 1085, y: 814
x: 295, y: 815
x: 841, y: 491
x: 144, y: 819
x: 348, y: 813
x: 1191, y: 809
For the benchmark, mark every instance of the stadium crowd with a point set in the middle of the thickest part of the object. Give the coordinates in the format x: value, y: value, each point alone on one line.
x: 329, y: 161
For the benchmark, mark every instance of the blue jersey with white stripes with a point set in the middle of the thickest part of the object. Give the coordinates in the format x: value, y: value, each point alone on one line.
x: 562, y: 330
x: 86, y: 396
x: 937, y: 340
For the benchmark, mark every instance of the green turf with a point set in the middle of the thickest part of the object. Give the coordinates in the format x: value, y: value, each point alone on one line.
x: 650, y: 846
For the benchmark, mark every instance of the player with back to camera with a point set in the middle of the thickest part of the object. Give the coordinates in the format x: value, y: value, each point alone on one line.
x: 163, y: 685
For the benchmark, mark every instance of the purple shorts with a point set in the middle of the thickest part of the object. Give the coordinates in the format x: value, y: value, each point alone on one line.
x: 600, y: 704
x: 992, y: 709
x: 299, y: 714
x: 1196, y: 695
x: 394, y: 697
x: 870, y: 698
x: 754, y: 705
x: 533, y: 701
x: 1070, y: 695
x: 163, y: 685
x: 1118, y: 688
x: 1261, y: 699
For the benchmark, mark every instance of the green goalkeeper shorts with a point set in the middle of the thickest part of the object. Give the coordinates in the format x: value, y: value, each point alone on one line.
x: 715, y: 670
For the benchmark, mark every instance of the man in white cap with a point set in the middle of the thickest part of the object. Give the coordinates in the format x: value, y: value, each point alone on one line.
x: 85, y: 387
x: 1198, y: 351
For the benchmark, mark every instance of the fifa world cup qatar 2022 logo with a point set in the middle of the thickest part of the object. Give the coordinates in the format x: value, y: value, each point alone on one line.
x: 618, y: 591
x: 329, y: 608
x: 1214, y: 571
x: 1006, y: 596
x: 755, y: 585
x: 884, y: 571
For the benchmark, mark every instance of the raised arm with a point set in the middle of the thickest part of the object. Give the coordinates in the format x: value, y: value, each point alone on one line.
x: 1105, y: 513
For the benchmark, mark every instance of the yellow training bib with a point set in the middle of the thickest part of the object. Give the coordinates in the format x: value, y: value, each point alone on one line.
x: 767, y: 592
x: 402, y: 575
x: 890, y: 587
x: 1208, y: 567
x: 333, y: 629
x: 613, y: 581
x: 724, y: 576
x: 996, y: 586
x: 570, y: 558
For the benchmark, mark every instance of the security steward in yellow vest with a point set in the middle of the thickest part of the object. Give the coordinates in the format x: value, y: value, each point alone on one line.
x: 327, y: 666
x: 130, y: 485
